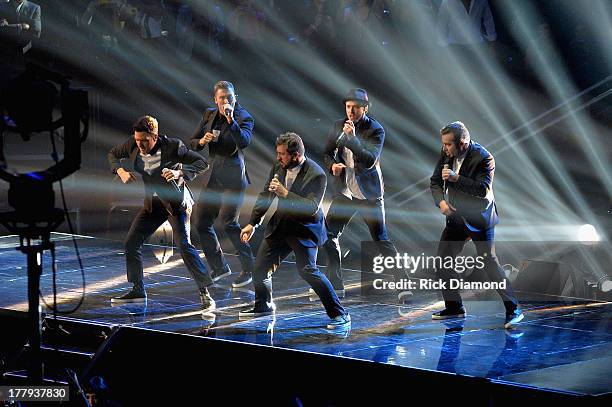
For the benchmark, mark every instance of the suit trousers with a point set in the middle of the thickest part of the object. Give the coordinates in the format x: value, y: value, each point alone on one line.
x: 341, y: 211
x: 216, y: 201
x: 145, y: 224
x: 270, y: 255
x: 453, y: 239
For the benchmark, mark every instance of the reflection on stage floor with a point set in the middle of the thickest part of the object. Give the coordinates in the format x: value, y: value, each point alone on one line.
x: 563, y: 345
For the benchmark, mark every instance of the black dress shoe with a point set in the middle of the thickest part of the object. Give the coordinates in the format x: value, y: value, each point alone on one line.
x: 257, y: 311
x: 514, y: 318
x: 217, y: 275
x: 243, y: 279
x: 448, y: 314
x: 136, y: 294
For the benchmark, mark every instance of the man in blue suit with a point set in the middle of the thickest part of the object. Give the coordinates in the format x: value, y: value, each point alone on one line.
x: 297, y: 225
x: 462, y: 187
x: 225, y: 131
x: 352, y: 157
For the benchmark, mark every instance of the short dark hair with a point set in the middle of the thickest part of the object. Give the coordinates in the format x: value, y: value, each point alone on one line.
x: 146, y: 124
x: 224, y: 85
x: 458, y: 130
x: 293, y: 142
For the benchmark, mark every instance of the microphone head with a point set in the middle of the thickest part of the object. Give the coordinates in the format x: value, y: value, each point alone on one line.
x: 275, y: 176
x: 446, y: 166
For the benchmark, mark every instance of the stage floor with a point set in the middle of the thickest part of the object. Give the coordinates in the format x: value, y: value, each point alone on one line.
x: 564, y: 345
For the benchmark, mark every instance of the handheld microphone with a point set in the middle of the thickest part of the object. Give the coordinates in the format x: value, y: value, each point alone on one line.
x: 174, y: 183
x: 227, y: 112
x: 275, y: 177
x: 341, y: 135
x: 446, y: 166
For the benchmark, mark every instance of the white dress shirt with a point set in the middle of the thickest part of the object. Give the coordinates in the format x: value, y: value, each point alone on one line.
x: 292, y: 174
x: 351, y: 187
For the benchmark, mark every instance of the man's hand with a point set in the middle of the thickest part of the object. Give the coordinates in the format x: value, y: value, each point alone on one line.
x: 349, y: 128
x: 247, y: 233
x: 446, y: 208
x: 126, y: 176
x: 169, y: 174
x: 3, y: 22
x: 449, y: 175
x: 208, y: 137
x: 337, y: 169
x: 230, y: 116
x: 278, y: 188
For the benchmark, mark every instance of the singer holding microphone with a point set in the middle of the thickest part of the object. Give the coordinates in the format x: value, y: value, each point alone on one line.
x: 352, y: 157
x: 296, y: 226
x: 164, y: 164
x: 462, y: 187
x: 224, y: 132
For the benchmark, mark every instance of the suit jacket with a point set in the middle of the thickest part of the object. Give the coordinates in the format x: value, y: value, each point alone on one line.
x: 472, y: 194
x: 226, y: 156
x: 299, y: 214
x: 366, y: 147
x: 174, y: 155
x: 29, y: 13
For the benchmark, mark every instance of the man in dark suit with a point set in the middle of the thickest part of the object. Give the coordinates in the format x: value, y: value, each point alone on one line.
x: 21, y: 17
x: 226, y: 130
x: 297, y: 225
x: 352, y: 156
x: 462, y: 187
x: 165, y: 164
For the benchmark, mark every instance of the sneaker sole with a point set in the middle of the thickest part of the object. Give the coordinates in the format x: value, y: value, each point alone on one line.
x: 342, y: 326
x: 132, y: 300
x: 441, y: 318
x: 247, y: 282
x: 219, y: 277
x: 509, y: 325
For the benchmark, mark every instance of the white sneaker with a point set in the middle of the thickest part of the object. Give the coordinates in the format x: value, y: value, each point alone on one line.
x: 340, y: 322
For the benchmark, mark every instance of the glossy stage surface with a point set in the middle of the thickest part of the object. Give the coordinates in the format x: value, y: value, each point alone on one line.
x: 562, y: 345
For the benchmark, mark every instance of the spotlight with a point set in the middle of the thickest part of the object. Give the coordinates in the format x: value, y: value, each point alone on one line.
x: 587, y: 234
x: 604, y: 284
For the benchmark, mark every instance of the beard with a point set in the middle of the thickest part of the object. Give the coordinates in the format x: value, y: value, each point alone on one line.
x: 291, y: 164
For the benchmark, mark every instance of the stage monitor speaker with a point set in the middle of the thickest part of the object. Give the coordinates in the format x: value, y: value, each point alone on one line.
x: 549, y: 278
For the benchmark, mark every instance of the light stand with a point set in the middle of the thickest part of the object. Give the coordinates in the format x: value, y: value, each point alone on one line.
x: 31, y: 194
